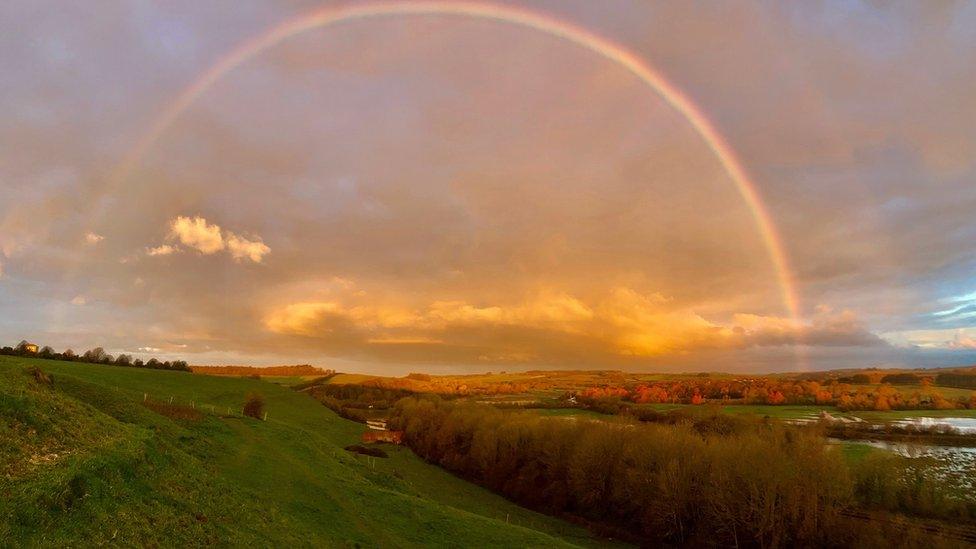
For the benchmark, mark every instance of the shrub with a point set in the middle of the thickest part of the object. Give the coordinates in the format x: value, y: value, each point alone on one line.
x: 39, y: 376
x: 254, y: 405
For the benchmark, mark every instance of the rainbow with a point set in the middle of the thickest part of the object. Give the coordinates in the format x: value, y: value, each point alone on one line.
x: 505, y: 14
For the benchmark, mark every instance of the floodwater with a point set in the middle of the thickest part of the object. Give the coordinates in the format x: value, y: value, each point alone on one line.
x: 954, y: 464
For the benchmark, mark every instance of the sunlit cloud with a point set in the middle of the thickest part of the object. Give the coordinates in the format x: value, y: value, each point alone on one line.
x: 623, y: 323
x: 163, y: 249
x: 92, y: 238
x: 242, y: 248
x: 79, y: 300
x: 196, y: 233
x: 208, y: 238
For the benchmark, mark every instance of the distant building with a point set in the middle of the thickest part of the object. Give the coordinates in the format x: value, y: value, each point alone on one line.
x: 27, y: 347
x: 376, y: 424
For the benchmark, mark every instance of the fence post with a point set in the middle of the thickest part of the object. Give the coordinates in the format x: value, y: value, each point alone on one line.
x: 145, y: 397
x: 170, y: 400
x: 266, y: 416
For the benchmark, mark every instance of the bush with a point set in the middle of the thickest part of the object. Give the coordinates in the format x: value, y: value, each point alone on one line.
x: 254, y: 405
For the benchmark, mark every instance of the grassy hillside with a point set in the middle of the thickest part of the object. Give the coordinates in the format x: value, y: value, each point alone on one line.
x: 83, y: 461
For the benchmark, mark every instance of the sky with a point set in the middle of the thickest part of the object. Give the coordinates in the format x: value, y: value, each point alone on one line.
x: 448, y: 194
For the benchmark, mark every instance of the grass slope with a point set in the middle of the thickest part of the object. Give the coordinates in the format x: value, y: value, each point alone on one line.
x: 83, y: 462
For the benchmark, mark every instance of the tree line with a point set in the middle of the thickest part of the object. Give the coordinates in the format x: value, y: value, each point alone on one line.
x: 735, y: 483
x: 775, y: 391
x: 963, y: 381
x: 95, y: 356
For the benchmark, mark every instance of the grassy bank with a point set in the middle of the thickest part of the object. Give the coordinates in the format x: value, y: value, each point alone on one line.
x: 85, y: 462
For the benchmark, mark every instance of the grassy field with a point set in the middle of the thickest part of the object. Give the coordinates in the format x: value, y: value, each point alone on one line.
x: 84, y: 462
x: 783, y: 412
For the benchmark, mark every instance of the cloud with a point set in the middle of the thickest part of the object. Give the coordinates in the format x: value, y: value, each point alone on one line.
x: 197, y: 234
x: 550, y: 328
x: 208, y: 238
x: 79, y: 300
x: 92, y: 238
x: 827, y: 328
x: 240, y: 248
x: 163, y: 249
x: 962, y: 341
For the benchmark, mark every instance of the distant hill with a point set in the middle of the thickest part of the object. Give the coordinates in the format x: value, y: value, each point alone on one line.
x: 299, y: 370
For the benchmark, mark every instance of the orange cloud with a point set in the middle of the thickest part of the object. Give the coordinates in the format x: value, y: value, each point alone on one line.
x: 164, y: 249
x: 208, y: 238
x: 240, y: 248
x: 197, y: 233
x: 552, y: 327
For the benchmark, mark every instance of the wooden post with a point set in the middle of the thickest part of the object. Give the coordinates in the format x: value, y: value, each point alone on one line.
x: 266, y: 416
x: 170, y: 400
x: 145, y: 397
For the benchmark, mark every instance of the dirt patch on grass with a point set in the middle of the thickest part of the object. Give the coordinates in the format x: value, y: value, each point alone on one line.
x: 366, y: 451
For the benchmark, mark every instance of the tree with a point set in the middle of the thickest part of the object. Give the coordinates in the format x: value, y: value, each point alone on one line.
x: 254, y: 405
x: 94, y: 355
x: 21, y: 348
x: 123, y: 360
x: 68, y: 354
x: 46, y: 352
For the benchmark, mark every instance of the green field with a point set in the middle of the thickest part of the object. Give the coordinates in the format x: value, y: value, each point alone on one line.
x: 83, y: 462
x: 783, y: 412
